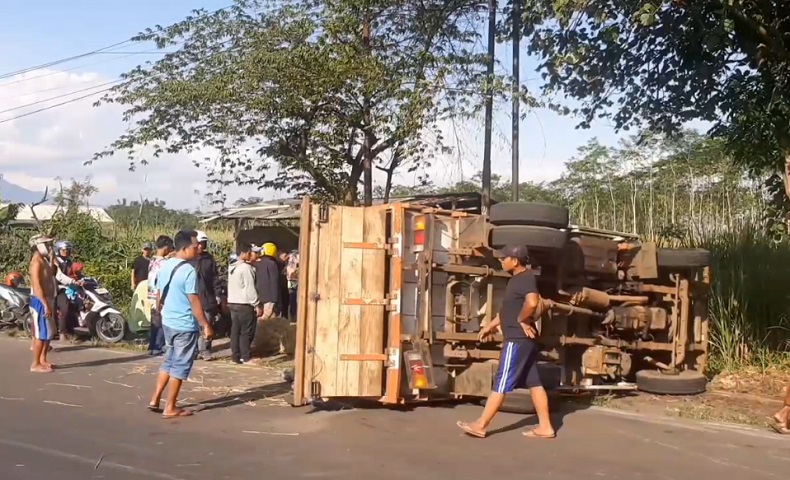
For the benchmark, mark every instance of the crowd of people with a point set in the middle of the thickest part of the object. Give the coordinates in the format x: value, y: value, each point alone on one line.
x: 260, y: 283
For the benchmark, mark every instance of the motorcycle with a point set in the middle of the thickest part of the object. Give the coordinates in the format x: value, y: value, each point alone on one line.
x: 97, y: 313
x: 14, y: 311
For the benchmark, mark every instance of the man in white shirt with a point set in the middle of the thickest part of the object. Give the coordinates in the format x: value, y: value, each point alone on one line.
x: 243, y: 305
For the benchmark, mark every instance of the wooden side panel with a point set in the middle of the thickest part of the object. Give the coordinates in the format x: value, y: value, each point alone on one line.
x: 350, y: 283
x: 392, y: 393
x: 373, y: 317
x: 308, y: 289
x: 300, y: 351
x: 328, y: 288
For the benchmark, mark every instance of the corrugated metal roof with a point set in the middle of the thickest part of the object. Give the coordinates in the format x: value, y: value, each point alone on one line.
x: 46, y: 212
x: 289, y: 209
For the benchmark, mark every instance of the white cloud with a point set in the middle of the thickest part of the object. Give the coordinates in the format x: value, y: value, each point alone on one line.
x: 36, y: 149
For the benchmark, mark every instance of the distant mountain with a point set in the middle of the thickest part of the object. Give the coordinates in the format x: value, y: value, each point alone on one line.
x: 10, y: 193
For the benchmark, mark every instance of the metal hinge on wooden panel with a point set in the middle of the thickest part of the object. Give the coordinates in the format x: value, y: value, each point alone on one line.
x: 393, y: 355
x: 323, y: 213
x: 389, y: 302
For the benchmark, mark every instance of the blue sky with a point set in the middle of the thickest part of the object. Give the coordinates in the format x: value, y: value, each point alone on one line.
x: 36, y: 32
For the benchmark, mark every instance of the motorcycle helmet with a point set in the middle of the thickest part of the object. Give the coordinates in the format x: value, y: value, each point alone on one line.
x: 201, y: 236
x: 233, y: 258
x: 270, y: 249
x: 14, y: 279
x: 63, y: 245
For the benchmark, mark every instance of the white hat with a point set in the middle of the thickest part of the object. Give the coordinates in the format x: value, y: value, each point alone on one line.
x: 39, y: 239
x: 201, y: 236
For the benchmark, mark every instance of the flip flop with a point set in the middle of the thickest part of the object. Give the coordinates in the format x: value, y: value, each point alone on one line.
x: 534, y: 434
x: 41, y: 370
x: 153, y: 408
x: 468, y: 430
x: 779, y: 428
x: 182, y: 413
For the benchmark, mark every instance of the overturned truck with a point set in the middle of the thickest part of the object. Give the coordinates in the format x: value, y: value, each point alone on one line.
x: 391, y: 298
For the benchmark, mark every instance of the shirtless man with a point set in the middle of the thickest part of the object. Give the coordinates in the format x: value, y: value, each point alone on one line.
x: 42, y: 302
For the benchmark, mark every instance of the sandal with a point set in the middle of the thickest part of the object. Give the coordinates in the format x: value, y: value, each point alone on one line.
x: 469, y: 431
x: 534, y: 434
x: 153, y: 408
x: 181, y: 413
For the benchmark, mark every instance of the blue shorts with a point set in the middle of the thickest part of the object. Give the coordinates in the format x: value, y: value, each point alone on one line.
x: 180, y: 348
x: 518, y: 367
x: 41, y: 327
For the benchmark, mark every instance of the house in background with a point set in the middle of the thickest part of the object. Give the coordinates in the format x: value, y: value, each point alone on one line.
x: 24, y: 218
x: 277, y: 221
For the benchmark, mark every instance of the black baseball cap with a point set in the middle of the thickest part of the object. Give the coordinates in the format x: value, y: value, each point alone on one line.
x: 519, y: 252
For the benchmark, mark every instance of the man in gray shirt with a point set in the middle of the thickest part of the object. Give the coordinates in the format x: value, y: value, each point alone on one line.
x: 243, y: 304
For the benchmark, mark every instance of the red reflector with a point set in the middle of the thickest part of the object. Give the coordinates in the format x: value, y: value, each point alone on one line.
x: 419, y: 237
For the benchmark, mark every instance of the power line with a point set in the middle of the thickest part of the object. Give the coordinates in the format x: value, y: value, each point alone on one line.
x: 50, y: 107
x: 63, y: 60
x: 61, y: 96
x: 77, y: 67
x: 103, y: 50
x: 72, y: 100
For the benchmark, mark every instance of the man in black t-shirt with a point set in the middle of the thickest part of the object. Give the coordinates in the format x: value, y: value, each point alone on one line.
x: 140, y: 265
x: 518, y: 361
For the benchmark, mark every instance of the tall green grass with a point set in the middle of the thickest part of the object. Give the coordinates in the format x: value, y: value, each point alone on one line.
x: 749, y: 303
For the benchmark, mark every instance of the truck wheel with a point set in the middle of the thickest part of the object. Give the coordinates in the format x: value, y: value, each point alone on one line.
x: 687, y: 382
x: 539, y: 214
x: 682, y: 257
x: 543, y: 238
x: 518, y: 401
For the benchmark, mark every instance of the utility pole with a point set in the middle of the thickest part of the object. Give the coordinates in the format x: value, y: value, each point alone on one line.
x: 516, y: 21
x: 489, y: 112
x: 367, y: 148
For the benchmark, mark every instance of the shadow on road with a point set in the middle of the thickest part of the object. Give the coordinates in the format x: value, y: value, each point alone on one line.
x: 250, y: 395
x: 74, y: 348
x: 105, y: 361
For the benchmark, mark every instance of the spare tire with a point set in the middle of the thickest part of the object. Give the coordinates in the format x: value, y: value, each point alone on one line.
x: 520, y: 400
x: 542, y: 238
x: 538, y: 214
x: 687, y: 382
x: 682, y: 257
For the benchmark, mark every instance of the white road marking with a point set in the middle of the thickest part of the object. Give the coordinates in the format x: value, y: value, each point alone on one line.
x: 88, y: 461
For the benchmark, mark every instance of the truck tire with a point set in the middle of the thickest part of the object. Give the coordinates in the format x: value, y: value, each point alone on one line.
x: 543, y: 238
x: 687, y: 382
x: 682, y: 257
x: 529, y: 213
x: 520, y: 400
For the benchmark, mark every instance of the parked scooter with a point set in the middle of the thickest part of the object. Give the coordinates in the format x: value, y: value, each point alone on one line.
x: 96, y: 311
x: 14, y: 311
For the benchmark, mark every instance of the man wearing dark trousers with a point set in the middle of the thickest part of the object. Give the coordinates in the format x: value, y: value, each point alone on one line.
x: 209, y: 288
x: 518, y: 360
x: 243, y: 305
x: 268, y: 280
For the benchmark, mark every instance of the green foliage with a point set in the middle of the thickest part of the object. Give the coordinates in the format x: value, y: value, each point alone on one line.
x: 297, y: 95
x: 749, y: 303
x: 151, y: 213
x: 662, y: 63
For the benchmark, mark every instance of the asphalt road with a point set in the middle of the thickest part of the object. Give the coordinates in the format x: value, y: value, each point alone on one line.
x: 88, y: 420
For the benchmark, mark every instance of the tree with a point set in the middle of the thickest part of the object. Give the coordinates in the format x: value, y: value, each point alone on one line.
x: 662, y: 63
x: 296, y: 95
